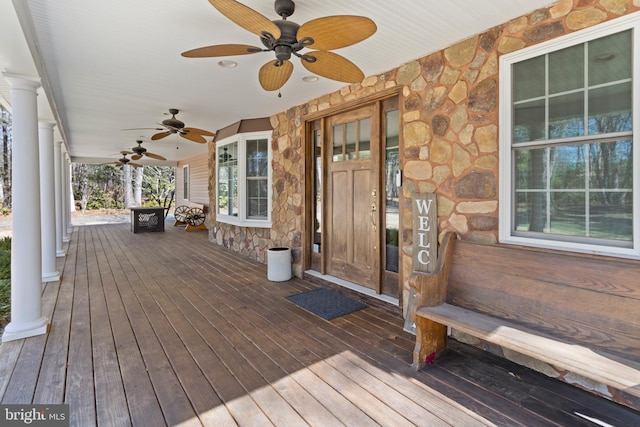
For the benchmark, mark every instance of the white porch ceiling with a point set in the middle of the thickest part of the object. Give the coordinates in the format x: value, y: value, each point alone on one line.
x: 112, y: 65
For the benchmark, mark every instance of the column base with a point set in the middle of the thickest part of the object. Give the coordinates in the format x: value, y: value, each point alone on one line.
x: 54, y: 276
x: 66, y: 239
x: 15, y: 331
x: 61, y: 254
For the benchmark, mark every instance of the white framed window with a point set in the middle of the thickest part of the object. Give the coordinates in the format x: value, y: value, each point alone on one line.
x: 568, y: 179
x: 185, y: 182
x: 243, y: 179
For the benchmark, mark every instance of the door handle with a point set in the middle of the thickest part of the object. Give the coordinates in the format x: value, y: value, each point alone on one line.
x: 374, y: 208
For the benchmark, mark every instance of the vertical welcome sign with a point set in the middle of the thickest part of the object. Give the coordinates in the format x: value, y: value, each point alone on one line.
x: 425, y: 231
x: 425, y: 243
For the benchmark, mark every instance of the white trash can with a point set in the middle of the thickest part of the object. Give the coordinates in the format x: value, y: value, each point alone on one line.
x: 279, y: 264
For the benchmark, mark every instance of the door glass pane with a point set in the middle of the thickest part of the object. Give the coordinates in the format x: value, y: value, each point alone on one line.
x: 364, y: 138
x: 391, y: 177
x: 350, y: 146
x: 337, y: 144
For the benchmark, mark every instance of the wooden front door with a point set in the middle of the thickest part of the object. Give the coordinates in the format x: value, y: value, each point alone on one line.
x: 353, y: 197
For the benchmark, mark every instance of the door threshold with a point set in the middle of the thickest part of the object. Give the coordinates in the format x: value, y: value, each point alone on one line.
x: 354, y: 287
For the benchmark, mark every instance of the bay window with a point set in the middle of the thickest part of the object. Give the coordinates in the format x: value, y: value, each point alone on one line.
x: 243, y: 184
x: 568, y: 142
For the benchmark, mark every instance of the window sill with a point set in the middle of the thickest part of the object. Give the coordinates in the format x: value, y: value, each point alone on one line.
x: 248, y: 223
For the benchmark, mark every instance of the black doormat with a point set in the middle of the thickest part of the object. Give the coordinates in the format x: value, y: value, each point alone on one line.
x: 326, y: 303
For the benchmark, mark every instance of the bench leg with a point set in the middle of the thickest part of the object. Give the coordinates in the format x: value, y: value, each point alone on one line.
x: 431, y: 340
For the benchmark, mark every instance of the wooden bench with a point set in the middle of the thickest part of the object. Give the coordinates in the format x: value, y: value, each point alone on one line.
x: 578, y: 313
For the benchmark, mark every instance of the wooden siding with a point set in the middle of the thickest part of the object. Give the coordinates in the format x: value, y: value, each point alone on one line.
x: 198, y: 181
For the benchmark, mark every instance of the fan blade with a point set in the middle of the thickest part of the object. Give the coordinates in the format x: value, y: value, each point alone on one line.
x: 125, y: 152
x: 193, y: 137
x: 272, y: 76
x: 136, y: 157
x: 246, y: 17
x: 199, y: 131
x: 221, y: 50
x: 335, y: 32
x: 142, y: 129
x: 160, y: 135
x: 334, y: 67
x: 152, y: 155
x: 135, y: 165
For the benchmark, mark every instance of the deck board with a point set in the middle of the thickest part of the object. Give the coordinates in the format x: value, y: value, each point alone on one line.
x: 170, y: 329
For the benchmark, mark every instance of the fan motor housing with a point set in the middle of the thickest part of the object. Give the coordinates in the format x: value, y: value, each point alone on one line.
x: 284, y: 8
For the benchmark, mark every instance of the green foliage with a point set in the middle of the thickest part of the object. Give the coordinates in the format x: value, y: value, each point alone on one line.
x: 5, y: 278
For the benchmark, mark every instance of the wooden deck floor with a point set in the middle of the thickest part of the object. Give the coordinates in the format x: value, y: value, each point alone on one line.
x: 157, y: 329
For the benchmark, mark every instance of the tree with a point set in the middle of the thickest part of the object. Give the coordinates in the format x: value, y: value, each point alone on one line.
x: 128, y: 189
x: 159, y: 185
x: 137, y: 189
x: 5, y: 132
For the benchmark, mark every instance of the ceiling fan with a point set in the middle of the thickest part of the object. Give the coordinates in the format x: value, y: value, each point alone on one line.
x: 125, y: 161
x: 287, y: 38
x: 174, y: 126
x: 140, y: 151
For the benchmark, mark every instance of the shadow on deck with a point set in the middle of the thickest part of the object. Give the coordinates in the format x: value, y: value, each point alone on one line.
x: 167, y: 328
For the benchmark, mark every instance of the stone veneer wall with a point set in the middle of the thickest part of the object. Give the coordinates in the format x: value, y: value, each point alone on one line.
x: 449, y: 133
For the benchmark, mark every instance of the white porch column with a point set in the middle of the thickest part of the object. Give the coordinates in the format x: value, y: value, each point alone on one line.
x: 71, y: 203
x: 57, y: 165
x: 66, y: 217
x: 26, y: 255
x: 47, y: 202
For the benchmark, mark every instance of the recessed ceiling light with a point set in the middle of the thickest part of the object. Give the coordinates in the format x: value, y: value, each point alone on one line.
x: 226, y: 63
x: 310, y: 79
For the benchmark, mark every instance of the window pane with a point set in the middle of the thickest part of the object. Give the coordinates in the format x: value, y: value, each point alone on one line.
x: 530, y: 172
x: 364, y: 137
x: 531, y: 209
x: 257, y: 193
x: 257, y: 157
x: 228, y: 180
x: 566, y: 69
x: 529, y: 121
x: 566, y: 116
x: 392, y: 201
x: 528, y: 79
x: 611, y: 215
x: 610, y: 109
x: 567, y: 214
x: 568, y: 167
x: 610, y: 58
x: 611, y: 167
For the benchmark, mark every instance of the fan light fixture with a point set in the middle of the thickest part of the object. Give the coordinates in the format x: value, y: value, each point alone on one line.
x: 227, y: 63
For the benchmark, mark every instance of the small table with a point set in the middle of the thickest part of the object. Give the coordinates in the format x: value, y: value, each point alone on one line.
x: 147, y: 219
